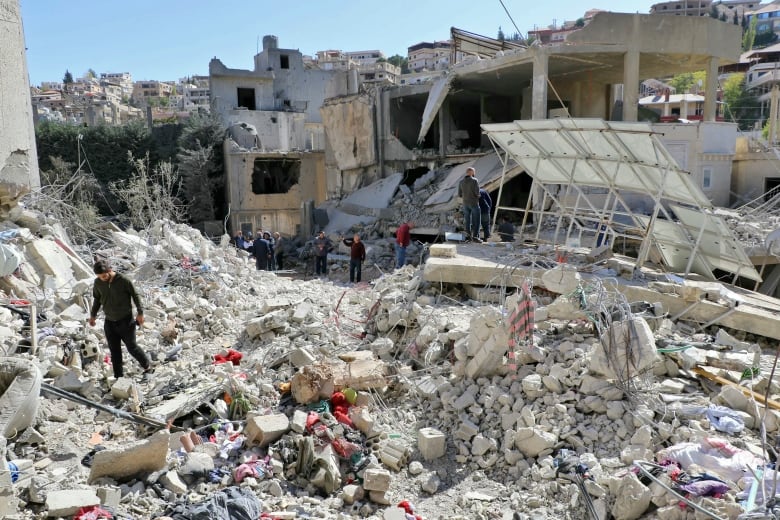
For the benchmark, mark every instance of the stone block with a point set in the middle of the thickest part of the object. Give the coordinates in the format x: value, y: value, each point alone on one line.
x: 122, y: 388
x: 265, y: 429
x: 431, y: 443
x: 464, y: 401
x: 394, y: 513
x: 131, y: 460
x: 298, y: 423
x: 561, y: 280
x: 376, y: 479
x: 532, y: 441
x: 632, y: 350
x: 352, y: 493
x: 273, y: 320
x: 361, y: 418
x: 302, y: 312
x: 301, y: 357
x: 109, y: 496
x: 466, y: 430
x: 273, y: 304
x: 379, y: 497
x: 173, y: 482
x: 443, y: 250
x: 67, y: 502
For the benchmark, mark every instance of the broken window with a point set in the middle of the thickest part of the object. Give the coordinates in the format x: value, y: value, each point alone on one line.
x: 284, y: 61
x: 246, y: 98
x: 772, y: 187
x: 274, y: 175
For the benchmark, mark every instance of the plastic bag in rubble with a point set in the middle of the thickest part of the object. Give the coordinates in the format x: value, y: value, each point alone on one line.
x: 722, y: 418
x: 9, y: 259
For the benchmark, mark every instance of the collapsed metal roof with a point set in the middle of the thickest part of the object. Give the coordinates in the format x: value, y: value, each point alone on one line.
x: 595, y: 171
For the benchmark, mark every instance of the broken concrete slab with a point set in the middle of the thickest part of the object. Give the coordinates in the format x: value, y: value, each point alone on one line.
x: 138, y: 458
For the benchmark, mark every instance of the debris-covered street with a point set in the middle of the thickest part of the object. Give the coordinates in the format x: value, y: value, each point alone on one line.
x: 314, y: 398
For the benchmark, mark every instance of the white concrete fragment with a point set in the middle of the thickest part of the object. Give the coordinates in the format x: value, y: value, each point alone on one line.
x: 264, y: 429
x: 132, y: 459
x: 431, y: 443
x: 67, y: 502
x: 376, y: 479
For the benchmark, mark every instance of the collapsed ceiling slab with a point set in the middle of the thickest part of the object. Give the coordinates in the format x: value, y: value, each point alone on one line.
x: 623, y: 159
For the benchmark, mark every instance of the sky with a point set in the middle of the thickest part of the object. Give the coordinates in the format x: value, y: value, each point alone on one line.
x: 171, y: 39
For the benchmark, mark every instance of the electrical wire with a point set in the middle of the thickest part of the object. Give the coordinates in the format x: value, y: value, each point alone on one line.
x: 511, y: 19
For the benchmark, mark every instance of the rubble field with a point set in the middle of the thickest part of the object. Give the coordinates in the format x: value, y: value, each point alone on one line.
x: 276, y: 396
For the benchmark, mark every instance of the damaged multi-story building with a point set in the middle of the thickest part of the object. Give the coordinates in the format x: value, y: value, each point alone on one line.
x: 300, y: 135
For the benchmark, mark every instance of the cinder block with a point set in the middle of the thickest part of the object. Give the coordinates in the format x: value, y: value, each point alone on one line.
x: 67, y: 502
x: 352, y: 493
x: 173, y: 482
x: 376, y: 479
x: 109, y: 496
x: 265, y: 429
x: 298, y: 423
x: 301, y: 357
x: 122, y: 389
x: 432, y: 443
x: 443, y: 251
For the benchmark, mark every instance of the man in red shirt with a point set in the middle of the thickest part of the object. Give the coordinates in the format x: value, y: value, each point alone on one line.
x: 403, y: 238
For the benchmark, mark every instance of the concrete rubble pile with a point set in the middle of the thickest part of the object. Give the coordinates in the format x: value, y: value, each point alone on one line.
x: 309, y: 398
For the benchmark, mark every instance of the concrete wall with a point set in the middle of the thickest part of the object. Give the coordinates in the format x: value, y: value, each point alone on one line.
x: 350, y: 128
x: 275, y: 130
x: 703, y: 146
x: 277, y: 211
x: 751, y: 169
x: 18, y: 156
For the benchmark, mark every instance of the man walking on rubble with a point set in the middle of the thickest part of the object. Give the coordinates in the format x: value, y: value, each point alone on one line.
x: 114, y: 292
x: 468, y: 191
x: 403, y: 237
x: 357, y: 255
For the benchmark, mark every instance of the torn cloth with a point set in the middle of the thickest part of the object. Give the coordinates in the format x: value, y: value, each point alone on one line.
x: 231, y: 503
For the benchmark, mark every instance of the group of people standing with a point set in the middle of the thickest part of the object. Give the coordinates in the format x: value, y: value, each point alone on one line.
x: 269, y: 249
x: 477, y: 206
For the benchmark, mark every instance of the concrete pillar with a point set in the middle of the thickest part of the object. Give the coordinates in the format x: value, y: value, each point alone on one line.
x: 539, y: 85
x: 711, y: 90
x: 18, y: 155
x: 684, y: 106
x: 631, y: 85
x: 444, y: 127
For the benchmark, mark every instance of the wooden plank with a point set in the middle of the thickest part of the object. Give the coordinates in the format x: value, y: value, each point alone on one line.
x: 747, y: 391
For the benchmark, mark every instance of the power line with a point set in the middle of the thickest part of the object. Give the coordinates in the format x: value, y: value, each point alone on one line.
x: 511, y: 19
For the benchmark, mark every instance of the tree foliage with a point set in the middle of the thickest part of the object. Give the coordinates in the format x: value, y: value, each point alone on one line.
x: 749, y: 34
x: 400, y: 61
x: 150, y: 193
x: 741, y: 106
x: 500, y: 36
x: 687, y: 81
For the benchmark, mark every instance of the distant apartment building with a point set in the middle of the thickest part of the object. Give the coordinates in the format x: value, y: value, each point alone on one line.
x: 365, y: 57
x: 144, y: 90
x: 429, y: 56
x: 730, y: 8
x: 122, y: 79
x: 371, y: 66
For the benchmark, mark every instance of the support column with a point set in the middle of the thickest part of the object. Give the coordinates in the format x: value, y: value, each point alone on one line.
x: 444, y: 127
x: 631, y: 85
x: 539, y: 85
x: 711, y: 90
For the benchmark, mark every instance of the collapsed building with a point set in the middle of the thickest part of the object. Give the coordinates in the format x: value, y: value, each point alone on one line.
x: 538, y: 378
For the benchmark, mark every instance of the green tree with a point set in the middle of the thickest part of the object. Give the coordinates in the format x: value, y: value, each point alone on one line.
x: 67, y: 80
x: 722, y: 17
x: 91, y: 74
x: 500, y: 37
x: 399, y: 61
x: 580, y: 22
x: 714, y: 11
x: 750, y: 34
x: 764, y: 38
x: 684, y: 82
x: 740, y: 105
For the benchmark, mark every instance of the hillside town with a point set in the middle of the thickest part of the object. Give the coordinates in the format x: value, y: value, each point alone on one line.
x: 519, y: 277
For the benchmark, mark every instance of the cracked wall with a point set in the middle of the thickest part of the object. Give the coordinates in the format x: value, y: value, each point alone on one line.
x: 18, y: 158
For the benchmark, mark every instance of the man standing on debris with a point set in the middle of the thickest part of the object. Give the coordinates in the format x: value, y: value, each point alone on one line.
x: 261, y: 250
x: 357, y: 255
x: 322, y: 246
x: 280, y: 246
x: 468, y: 191
x: 403, y: 237
x: 115, y: 292
x: 485, y: 206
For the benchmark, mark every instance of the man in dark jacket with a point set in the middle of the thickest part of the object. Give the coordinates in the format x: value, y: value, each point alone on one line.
x: 357, y: 255
x: 485, y: 206
x: 261, y: 250
x: 115, y: 293
x: 468, y: 191
x: 322, y: 246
